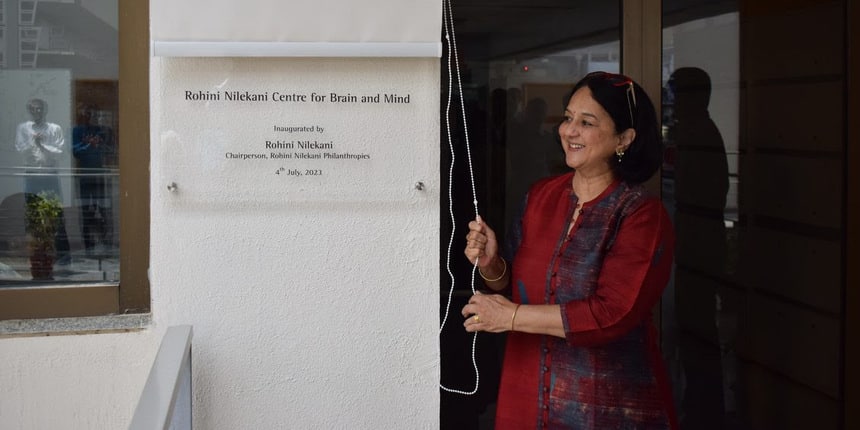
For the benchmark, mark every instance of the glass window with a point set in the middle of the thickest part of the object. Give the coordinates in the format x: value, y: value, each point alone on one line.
x: 59, y: 183
x: 60, y: 162
x: 753, y: 116
x: 700, y: 177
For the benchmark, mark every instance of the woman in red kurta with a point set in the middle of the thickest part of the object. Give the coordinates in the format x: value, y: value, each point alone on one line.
x: 592, y: 254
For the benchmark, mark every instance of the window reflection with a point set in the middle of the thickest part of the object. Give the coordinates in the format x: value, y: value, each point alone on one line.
x: 700, y: 130
x: 59, y: 169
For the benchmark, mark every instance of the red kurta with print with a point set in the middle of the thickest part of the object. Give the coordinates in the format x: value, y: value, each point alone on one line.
x: 607, y: 275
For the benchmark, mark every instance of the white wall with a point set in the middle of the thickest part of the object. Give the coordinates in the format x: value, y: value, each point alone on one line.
x: 73, y: 382
x: 318, y: 310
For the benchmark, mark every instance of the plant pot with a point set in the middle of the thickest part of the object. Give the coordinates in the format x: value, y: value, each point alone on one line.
x: 42, y: 266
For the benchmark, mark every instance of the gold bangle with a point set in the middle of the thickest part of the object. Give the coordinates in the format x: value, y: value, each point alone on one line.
x: 514, y: 316
x: 504, y: 270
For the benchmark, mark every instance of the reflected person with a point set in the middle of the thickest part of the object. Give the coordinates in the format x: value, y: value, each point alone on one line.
x: 41, y: 144
x: 90, y: 142
x: 701, y: 189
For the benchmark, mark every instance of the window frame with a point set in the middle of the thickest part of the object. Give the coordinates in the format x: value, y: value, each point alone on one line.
x: 131, y: 295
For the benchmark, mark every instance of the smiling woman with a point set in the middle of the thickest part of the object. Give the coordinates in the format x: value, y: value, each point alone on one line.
x: 588, y: 136
x: 590, y: 257
x: 596, y: 125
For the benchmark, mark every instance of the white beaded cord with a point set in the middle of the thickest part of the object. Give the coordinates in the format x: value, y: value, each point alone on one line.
x: 451, y: 41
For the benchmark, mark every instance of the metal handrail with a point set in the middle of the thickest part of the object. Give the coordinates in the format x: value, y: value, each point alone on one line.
x: 166, y: 399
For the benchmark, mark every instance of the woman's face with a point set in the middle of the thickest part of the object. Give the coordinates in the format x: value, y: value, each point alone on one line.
x: 588, y: 135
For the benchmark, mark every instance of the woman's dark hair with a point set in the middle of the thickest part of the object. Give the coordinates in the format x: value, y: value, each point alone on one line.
x: 629, y: 107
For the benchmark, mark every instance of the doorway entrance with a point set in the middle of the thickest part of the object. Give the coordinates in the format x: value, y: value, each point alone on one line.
x: 756, y: 131
x: 518, y: 61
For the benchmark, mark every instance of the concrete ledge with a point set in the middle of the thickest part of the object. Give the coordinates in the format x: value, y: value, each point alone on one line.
x: 74, y: 326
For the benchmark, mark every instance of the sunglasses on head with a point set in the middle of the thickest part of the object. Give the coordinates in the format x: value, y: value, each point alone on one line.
x: 619, y: 81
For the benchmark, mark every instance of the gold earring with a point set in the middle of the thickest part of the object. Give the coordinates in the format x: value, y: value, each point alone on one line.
x: 619, y: 153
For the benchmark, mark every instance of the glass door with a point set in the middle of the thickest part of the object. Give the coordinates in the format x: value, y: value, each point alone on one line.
x: 753, y: 124
x: 518, y: 61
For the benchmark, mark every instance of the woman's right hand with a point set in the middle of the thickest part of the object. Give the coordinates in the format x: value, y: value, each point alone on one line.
x: 481, y: 244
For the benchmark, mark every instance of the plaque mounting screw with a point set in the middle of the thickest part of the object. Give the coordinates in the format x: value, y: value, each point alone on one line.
x: 419, y: 186
x: 172, y: 187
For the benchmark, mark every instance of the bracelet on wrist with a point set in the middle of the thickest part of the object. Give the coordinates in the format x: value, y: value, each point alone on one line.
x: 514, y: 316
x: 504, y: 271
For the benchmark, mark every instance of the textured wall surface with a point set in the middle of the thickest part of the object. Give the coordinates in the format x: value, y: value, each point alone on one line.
x: 312, y: 307
x: 73, y: 382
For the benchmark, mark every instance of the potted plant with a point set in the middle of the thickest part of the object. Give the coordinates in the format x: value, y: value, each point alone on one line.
x: 43, y: 217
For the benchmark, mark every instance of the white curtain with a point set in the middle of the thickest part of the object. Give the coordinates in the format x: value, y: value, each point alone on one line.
x: 296, y: 27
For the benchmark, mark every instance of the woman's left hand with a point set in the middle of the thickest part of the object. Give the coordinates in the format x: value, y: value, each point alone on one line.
x: 488, y: 312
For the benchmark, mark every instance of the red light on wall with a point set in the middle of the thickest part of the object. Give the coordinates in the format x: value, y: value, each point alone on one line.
x: 525, y: 68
